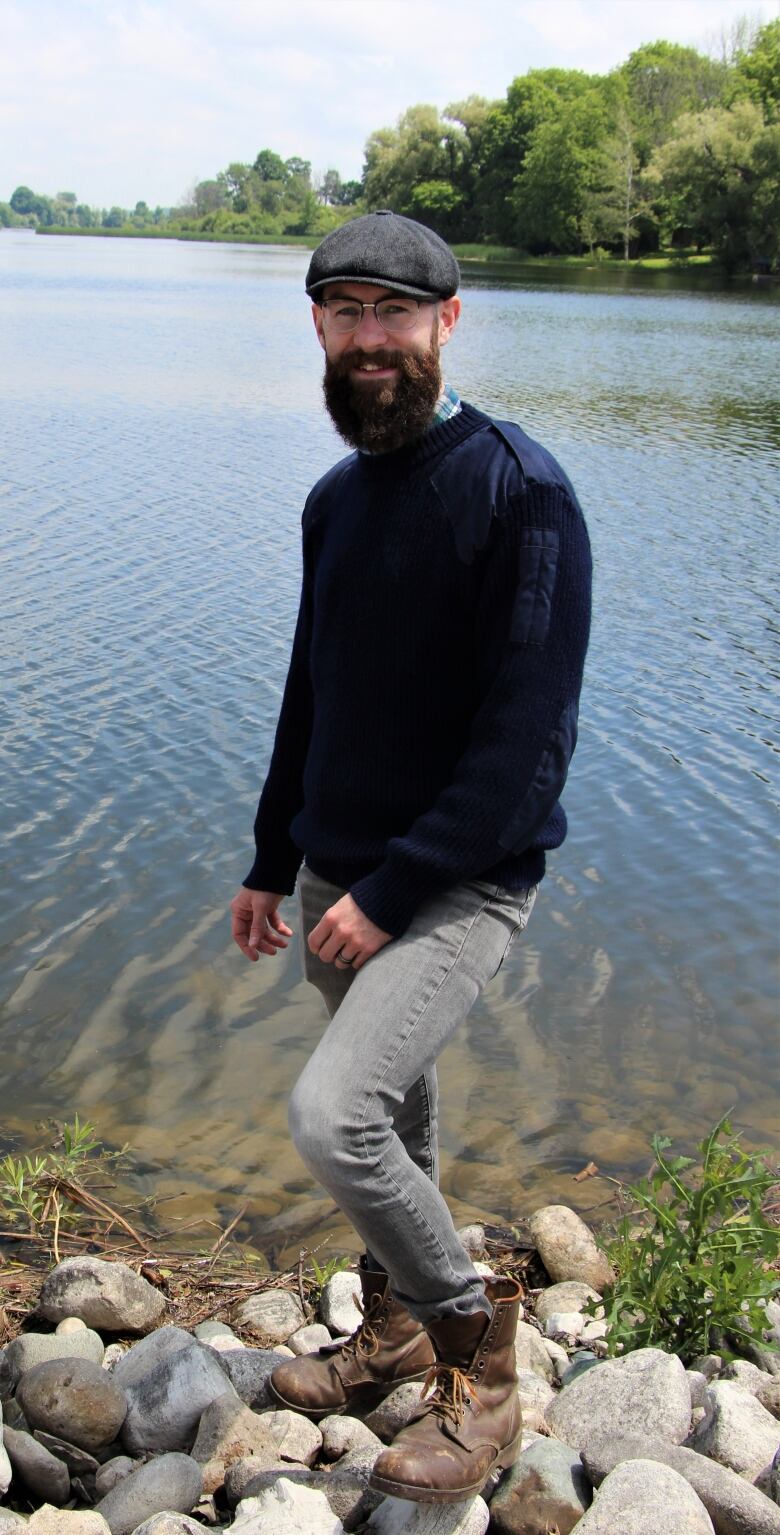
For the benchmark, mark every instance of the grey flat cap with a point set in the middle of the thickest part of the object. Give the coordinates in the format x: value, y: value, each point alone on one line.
x: 388, y: 251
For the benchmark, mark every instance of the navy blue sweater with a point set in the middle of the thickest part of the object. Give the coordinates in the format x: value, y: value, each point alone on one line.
x: 430, y: 710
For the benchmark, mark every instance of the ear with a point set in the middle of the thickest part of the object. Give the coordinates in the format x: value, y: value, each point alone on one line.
x: 449, y: 314
x: 316, y: 314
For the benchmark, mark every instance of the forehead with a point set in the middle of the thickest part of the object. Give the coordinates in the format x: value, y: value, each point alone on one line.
x: 367, y: 293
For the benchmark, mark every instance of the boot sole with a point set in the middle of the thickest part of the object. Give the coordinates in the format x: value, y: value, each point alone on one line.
x: 414, y: 1494
x: 362, y: 1401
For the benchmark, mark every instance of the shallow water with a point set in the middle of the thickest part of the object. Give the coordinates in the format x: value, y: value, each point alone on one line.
x: 161, y: 421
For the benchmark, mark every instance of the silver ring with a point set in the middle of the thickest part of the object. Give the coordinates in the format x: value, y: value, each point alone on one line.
x: 343, y: 958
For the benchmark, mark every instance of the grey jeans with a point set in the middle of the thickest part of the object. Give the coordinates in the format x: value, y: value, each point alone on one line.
x: 363, y: 1112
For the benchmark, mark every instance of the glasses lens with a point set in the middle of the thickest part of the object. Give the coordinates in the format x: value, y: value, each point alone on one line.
x: 343, y: 314
x: 397, y: 313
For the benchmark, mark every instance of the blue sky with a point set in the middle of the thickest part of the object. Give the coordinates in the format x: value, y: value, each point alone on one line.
x: 118, y: 100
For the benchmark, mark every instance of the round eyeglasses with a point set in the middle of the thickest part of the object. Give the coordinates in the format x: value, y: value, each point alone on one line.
x: 343, y: 315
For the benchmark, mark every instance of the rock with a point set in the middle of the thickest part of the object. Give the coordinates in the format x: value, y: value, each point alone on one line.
x: 227, y: 1431
x: 647, y: 1392
x: 641, y: 1498
x: 307, y: 1340
x: 5, y: 1464
x: 564, y: 1324
x: 113, y: 1471
x: 110, y: 1296
x: 252, y: 1474
x: 6, y: 1381
x: 473, y: 1239
x: 40, y: 1471
x: 535, y: 1397
x: 346, y: 1486
x: 735, y: 1507
x: 746, y: 1375
x: 569, y: 1295
x: 59, y: 1521
x: 389, y: 1417
x: 11, y: 1523
x: 486, y: 1272
x: 286, y: 1509
x: 593, y: 1329
x: 78, y: 1461
x: 171, y: 1483
x: 531, y: 1353
x: 737, y: 1432
x: 249, y: 1370
x: 205, y: 1331
x: 769, y: 1397
x: 273, y: 1314
x: 114, y: 1352
x: 340, y: 1435
x: 70, y: 1324
x: 698, y: 1387
x: 545, y: 1488
x: 13, y: 1416
x: 558, y: 1355
x: 221, y: 1344
x: 567, y: 1248
x: 32, y: 1348
x: 773, y: 1489
x: 169, y: 1382
x: 396, y: 1516
x: 708, y: 1365
x: 338, y: 1307
x: 73, y: 1399
x: 169, y: 1523
x: 294, y: 1436
x: 581, y: 1360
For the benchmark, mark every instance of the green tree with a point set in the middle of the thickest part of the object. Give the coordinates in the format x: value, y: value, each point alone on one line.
x: 505, y: 139
x: 663, y: 80
x: 757, y: 72
x: 269, y: 166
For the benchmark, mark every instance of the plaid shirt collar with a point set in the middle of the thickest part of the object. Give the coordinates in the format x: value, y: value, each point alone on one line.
x: 447, y: 405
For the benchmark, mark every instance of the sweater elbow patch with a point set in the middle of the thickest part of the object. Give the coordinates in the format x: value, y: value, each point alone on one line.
x: 546, y: 786
x: 537, y: 565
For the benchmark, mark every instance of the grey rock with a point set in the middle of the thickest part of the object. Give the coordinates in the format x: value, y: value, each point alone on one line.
x: 640, y: 1498
x: 205, y: 1331
x: 251, y: 1474
x: 773, y: 1480
x: 746, y: 1375
x: 11, y: 1523
x: 545, y: 1488
x: 227, y: 1431
x: 564, y: 1324
x: 569, y: 1295
x: 307, y: 1340
x: 341, y: 1435
x: 530, y: 1352
x: 581, y: 1360
x: 78, y: 1461
x: 171, y: 1483
x: 114, y: 1352
x: 389, y: 1417
x: 734, y: 1506
x: 168, y: 1385
x: 346, y: 1487
x: 698, y: 1387
x: 60, y: 1521
x: 113, y: 1471
x: 70, y: 1324
x: 273, y: 1314
x: 73, y: 1399
x: 5, y: 1464
x: 6, y: 1379
x: 737, y: 1432
x: 32, y: 1348
x: 286, y: 1508
x: 535, y: 1397
x: 294, y: 1436
x: 567, y: 1248
x: 395, y: 1516
x: 769, y: 1397
x: 472, y: 1238
x: 249, y: 1370
x: 338, y: 1307
x: 14, y: 1417
x: 558, y: 1355
x: 647, y: 1392
x: 709, y: 1365
x: 110, y: 1296
x: 169, y: 1523
x: 40, y: 1471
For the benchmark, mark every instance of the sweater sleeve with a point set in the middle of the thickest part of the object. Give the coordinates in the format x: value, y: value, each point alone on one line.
x: 531, y: 634
x: 277, y: 858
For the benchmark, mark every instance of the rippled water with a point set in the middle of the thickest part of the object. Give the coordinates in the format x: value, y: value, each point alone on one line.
x: 161, y: 424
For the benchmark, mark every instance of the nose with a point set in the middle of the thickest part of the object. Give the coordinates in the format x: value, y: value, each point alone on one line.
x: 370, y: 332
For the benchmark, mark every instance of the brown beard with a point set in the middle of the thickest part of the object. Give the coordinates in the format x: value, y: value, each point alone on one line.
x: 391, y: 413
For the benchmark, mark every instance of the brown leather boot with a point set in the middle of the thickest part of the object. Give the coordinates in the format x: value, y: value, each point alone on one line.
x: 471, y: 1423
x: 389, y: 1347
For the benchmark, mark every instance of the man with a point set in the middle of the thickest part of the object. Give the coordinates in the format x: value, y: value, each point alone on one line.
x: 425, y: 733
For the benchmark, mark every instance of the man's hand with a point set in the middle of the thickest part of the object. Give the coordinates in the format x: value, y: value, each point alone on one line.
x: 256, y: 924
x: 345, y: 936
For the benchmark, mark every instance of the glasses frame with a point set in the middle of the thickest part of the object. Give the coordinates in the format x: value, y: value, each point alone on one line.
x: 390, y: 298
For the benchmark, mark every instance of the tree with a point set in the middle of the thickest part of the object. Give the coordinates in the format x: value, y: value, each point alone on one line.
x: 663, y: 80
x: 210, y: 195
x: 270, y: 166
x: 505, y: 137
x: 757, y: 73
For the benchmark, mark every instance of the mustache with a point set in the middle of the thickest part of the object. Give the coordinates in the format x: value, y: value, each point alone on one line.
x: 405, y: 362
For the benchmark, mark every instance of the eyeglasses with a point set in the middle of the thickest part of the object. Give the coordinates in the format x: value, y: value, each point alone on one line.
x: 393, y: 314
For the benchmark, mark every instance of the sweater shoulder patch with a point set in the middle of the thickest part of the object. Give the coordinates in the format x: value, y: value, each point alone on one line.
x: 475, y: 483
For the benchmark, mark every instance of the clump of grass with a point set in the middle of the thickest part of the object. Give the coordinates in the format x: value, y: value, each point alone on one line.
x: 50, y: 1191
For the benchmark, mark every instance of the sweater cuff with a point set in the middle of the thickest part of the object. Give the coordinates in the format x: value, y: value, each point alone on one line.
x: 387, y: 904
x: 279, y: 878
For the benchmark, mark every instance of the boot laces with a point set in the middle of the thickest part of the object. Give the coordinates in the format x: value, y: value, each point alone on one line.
x: 365, y: 1341
x: 451, y: 1392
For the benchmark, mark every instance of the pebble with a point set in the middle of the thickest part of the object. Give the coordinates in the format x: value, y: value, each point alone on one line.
x: 114, y: 1352
x: 769, y: 1397
x: 338, y: 1307
x: 646, y: 1392
x: 76, y: 1460
x: 564, y: 1324
x: 110, y: 1296
x: 111, y: 1472
x: 567, y: 1248
x: 307, y: 1340
x: 640, y: 1497
x: 294, y: 1436
x: 746, y: 1375
x: 249, y: 1370
x: 75, y: 1400
x: 5, y: 1464
x: 472, y: 1238
x: 253, y: 1473
x: 206, y: 1331
x: 273, y: 1314
x: 535, y: 1397
x: 41, y: 1472
x: 168, y: 1483
x: 389, y: 1417
x: 342, y: 1434
x: 169, y: 1524
x: 531, y: 1353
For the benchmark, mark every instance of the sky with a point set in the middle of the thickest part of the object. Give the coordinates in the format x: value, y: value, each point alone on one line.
x: 121, y: 100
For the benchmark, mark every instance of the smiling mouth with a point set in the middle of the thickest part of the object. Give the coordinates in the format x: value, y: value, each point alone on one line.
x: 374, y: 369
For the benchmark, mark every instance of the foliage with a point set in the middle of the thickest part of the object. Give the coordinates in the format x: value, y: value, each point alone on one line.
x: 693, y: 1255
x: 322, y: 1273
x: 43, y: 1192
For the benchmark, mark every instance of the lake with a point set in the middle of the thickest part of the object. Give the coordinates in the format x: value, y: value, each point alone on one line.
x: 162, y: 423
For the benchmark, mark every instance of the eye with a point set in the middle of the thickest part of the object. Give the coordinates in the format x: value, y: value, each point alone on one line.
x: 343, y: 310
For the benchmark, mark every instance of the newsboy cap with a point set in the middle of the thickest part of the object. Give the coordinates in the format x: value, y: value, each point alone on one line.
x: 389, y: 251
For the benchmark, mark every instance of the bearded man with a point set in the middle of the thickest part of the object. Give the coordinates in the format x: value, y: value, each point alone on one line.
x: 428, y: 720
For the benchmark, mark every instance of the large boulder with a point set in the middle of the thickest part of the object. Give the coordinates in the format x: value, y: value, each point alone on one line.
x: 110, y: 1296
x: 645, y: 1393
x: 73, y: 1399
x: 734, y: 1506
x: 642, y: 1498
x: 545, y: 1489
x: 169, y: 1483
x: 169, y: 1379
x: 567, y: 1248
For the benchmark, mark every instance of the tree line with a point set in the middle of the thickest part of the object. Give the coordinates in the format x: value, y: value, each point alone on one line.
x: 673, y: 148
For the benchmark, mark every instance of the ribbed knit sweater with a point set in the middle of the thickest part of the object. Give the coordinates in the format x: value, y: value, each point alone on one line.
x: 430, y: 709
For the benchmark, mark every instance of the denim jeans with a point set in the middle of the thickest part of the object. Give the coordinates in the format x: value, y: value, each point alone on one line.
x: 363, y: 1112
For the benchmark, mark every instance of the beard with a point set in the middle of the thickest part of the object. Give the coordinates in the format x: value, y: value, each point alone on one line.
x: 391, y: 413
